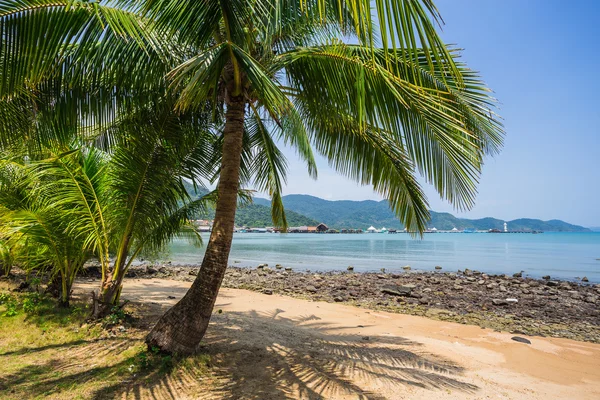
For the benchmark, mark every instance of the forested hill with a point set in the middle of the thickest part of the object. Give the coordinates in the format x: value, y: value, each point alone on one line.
x: 362, y: 214
x: 255, y: 215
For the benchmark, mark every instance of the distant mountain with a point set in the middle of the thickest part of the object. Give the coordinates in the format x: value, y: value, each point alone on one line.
x: 253, y: 215
x: 259, y: 216
x: 595, y: 228
x: 362, y: 214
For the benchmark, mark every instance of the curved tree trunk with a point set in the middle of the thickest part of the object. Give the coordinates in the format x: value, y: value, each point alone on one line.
x: 182, y: 328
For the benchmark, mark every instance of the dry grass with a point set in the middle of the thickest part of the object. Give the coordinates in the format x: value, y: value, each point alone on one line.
x: 52, y: 353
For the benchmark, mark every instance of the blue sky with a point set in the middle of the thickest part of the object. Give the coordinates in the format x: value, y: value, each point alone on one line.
x: 542, y: 58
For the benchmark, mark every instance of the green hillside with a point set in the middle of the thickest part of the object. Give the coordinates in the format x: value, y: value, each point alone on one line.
x: 309, y: 210
x: 362, y: 214
x: 259, y: 216
x: 254, y: 215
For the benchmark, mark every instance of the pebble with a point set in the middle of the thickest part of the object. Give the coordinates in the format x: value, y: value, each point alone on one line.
x: 350, y: 268
x: 438, y: 267
x: 267, y: 291
x: 398, y: 290
x: 406, y: 268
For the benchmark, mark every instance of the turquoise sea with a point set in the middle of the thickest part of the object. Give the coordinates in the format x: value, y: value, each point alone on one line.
x: 561, y: 255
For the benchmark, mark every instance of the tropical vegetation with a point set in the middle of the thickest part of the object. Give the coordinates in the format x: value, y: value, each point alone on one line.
x: 80, y: 202
x: 373, y: 90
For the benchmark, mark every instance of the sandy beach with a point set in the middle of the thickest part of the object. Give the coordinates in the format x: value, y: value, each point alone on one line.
x: 275, y: 347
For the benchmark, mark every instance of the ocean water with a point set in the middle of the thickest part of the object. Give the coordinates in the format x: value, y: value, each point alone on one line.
x: 561, y: 255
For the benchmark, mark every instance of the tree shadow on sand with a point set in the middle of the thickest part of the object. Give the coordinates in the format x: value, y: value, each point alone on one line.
x: 268, y: 356
x: 254, y: 356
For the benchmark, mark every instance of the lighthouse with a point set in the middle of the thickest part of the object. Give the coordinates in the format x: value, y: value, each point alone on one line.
x: 505, y: 227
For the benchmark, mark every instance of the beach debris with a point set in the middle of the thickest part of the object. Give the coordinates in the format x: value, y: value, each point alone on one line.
x: 546, y: 277
x: 193, y: 272
x: 512, y: 301
x: 518, y: 274
x: 365, y: 338
x: 171, y: 297
x: 585, y: 279
x: 350, y: 268
x: 398, y: 290
x: 406, y: 268
x: 438, y: 267
x: 267, y: 291
x: 382, y: 270
x: 521, y: 340
x: 499, y: 302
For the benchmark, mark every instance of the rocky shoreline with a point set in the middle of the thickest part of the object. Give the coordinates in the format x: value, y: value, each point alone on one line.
x: 520, y: 305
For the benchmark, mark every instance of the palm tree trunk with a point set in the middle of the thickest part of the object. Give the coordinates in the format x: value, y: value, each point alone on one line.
x: 182, y: 328
x: 64, y: 291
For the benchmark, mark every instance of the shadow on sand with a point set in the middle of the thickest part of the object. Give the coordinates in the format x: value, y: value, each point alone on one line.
x: 256, y: 356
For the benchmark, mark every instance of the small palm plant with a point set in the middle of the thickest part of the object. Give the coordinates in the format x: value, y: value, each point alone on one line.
x: 83, y: 202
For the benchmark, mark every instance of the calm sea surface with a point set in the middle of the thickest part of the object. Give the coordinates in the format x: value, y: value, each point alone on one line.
x: 561, y: 255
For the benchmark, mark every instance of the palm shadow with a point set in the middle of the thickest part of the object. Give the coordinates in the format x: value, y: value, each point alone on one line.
x: 268, y: 356
x: 252, y: 355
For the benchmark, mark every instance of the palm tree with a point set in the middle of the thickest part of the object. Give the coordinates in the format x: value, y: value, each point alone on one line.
x: 381, y: 104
